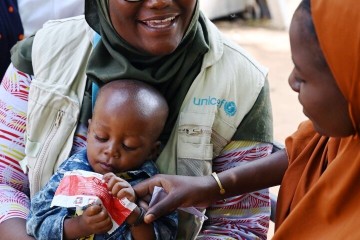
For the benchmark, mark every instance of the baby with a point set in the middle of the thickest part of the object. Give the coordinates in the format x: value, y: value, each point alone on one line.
x: 122, y: 140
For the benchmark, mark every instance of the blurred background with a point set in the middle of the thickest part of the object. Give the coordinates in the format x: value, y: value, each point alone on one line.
x: 261, y: 27
x: 263, y: 31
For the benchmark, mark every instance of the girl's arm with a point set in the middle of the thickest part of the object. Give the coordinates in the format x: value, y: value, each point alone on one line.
x: 185, y: 191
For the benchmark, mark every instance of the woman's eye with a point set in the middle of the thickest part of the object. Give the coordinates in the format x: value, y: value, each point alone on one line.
x: 101, y: 139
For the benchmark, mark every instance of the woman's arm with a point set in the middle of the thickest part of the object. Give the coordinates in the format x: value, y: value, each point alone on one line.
x: 13, y: 182
x: 200, y: 192
x: 14, y: 228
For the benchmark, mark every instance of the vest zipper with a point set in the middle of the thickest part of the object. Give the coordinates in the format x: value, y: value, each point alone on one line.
x: 195, y: 131
x: 39, y: 164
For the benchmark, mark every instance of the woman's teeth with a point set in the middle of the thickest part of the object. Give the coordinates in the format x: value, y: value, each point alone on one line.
x: 160, y: 23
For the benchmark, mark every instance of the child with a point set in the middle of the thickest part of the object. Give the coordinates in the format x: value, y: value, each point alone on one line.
x: 122, y: 139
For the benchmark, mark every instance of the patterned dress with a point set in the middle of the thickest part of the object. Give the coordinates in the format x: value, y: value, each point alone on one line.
x: 242, y: 217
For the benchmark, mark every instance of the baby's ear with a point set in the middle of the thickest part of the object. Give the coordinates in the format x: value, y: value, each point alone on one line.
x: 155, y: 150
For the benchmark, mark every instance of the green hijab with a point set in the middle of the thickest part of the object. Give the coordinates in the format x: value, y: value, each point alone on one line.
x: 113, y: 58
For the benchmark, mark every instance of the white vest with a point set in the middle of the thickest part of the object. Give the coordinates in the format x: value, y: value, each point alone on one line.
x: 221, y: 95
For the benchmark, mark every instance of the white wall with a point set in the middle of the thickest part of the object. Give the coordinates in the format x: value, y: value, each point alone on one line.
x: 221, y: 8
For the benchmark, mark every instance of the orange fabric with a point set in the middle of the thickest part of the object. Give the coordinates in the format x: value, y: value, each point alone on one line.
x: 320, y: 194
x: 337, y: 24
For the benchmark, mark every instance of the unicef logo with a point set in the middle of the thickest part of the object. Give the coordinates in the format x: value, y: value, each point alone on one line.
x: 230, y: 108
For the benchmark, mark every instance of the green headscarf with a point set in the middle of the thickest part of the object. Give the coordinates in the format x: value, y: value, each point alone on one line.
x: 113, y: 58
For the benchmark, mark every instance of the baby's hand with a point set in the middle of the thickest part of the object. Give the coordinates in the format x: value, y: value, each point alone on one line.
x: 119, y: 187
x: 95, y: 220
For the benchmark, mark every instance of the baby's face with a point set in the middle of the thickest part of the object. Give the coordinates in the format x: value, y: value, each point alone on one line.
x: 118, y: 141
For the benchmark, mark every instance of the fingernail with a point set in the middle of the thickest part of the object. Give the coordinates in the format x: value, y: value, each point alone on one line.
x: 149, y: 218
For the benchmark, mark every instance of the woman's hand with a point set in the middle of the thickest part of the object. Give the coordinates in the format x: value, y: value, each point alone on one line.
x: 183, y: 191
x: 119, y: 187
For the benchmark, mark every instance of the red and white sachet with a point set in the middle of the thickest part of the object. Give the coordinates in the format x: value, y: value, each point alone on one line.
x: 81, y: 189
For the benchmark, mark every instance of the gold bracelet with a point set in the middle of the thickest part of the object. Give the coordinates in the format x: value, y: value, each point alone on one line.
x: 222, y: 190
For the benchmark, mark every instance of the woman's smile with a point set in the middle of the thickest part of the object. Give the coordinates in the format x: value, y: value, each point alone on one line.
x: 160, y: 23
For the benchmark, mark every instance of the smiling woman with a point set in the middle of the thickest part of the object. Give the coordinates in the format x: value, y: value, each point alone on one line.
x: 168, y: 44
x: 154, y: 32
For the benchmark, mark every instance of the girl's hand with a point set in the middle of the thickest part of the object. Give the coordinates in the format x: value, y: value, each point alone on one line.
x: 119, y: 187
x: 182, y: 191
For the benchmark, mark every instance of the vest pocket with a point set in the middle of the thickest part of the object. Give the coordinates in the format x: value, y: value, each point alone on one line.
x: 221, y: 135
x: 194, y: 147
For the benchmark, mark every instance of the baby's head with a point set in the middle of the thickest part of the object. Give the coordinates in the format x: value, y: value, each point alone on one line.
x: 127, y: 121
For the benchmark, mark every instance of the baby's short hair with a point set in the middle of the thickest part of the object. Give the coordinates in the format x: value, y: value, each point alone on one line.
x: 148, y: 102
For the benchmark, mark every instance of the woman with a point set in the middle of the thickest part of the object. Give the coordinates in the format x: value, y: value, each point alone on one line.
x: 320, y: 168
x: 220, y: 114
